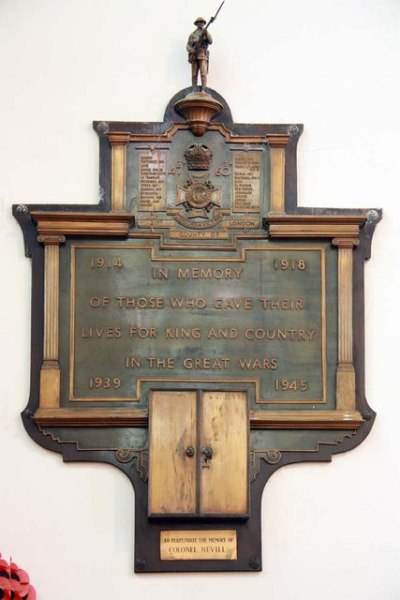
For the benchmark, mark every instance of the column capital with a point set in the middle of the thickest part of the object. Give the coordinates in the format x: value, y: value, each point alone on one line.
x: 276, y: 140
x: 51, y: 240
x: 345, y: 242
x: 121, y: 138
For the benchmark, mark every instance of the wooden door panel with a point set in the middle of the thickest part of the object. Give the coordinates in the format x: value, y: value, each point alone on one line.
x: 224, y: 428
x: 172, y: 474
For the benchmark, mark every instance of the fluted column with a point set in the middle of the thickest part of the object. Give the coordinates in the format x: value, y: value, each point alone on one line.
x: 277, y: 146
x: 119, y: 143
x: 345, y: 374
x: 50, y: 371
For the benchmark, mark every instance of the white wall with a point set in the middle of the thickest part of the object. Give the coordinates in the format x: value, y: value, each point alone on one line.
x: 329, y: 531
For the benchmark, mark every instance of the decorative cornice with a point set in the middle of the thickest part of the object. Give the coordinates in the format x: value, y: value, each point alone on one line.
x: 275, y: 140
x: 92, y: 416
x: 328, y: 226
x: 307, y: 419
x: 82, y: 223
x: 259, y: 419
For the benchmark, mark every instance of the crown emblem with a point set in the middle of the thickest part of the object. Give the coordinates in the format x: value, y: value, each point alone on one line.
x: 198, y: 157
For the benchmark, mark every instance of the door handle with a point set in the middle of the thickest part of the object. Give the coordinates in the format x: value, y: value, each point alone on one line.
x: 207, y: 453
x: 190, y: 451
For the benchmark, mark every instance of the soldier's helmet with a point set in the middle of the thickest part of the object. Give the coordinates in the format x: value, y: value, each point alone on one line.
x: 200, y: 20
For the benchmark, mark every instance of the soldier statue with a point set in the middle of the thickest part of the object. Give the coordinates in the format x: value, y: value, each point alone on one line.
x: 197, y: 48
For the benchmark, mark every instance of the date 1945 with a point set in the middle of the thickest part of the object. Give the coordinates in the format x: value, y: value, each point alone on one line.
x: 291, y: 385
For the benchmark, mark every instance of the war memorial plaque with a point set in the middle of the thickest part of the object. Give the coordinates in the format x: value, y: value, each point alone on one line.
x: 197, y: 329
x: 259, y: 319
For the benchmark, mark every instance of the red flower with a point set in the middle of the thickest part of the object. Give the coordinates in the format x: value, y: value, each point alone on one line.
x: 14, y: 583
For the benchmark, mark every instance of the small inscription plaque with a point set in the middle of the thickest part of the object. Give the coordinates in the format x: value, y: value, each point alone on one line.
x: 152, y: 181
x: 246, y: 181
x: 198, y: 545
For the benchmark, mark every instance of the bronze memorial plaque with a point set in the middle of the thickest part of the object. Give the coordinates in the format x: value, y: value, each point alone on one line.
x: 137, y: 316
x: 197, y: 329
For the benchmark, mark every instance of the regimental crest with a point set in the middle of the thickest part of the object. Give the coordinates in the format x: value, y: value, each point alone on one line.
x: 198, y: 157
x: 198, y: 196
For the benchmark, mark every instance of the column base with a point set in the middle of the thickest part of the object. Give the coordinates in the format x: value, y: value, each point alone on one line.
x: 345, y: 387
x: 49, y: 387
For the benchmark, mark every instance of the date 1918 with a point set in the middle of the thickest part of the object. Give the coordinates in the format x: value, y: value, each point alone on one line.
x: 289, y: 264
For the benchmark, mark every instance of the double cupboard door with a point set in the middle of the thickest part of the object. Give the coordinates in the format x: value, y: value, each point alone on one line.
x: 198, y: 454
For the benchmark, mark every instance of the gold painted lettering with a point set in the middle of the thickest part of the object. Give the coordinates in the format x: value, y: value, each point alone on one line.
x: 100, y: 262
x: 155, y: 362
x: 233, y: 303
x: 100, y: 332
x: 292, y: 335
x: 159, y: 273
x: 206, y: 363
x: 291, y: 385
x: 208, y: 273
x: 292, y: 264
x: 99, y: 301
x: 178, y: 302
x: 282, y: 303
x: 132, y: 363
x: 222, y: 334
x: 143, y: 332
x: 104, y: 383
x: 258, y: 363
x: 139, y: 302
x: 182, y: 333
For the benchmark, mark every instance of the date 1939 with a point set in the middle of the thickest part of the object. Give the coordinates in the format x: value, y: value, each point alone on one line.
x: 104, y: 383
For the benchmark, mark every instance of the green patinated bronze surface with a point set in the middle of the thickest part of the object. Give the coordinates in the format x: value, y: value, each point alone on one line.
x: 261, y: 318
